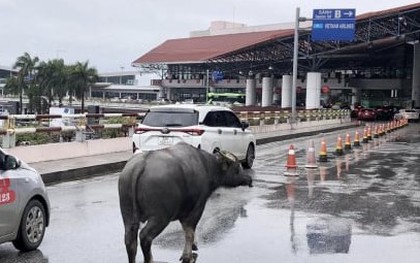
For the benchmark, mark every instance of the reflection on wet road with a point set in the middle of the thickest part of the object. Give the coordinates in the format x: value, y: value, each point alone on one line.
x: 363, y: 206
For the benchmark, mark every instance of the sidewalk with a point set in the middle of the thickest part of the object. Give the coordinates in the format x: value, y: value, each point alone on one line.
x: 55, y: 171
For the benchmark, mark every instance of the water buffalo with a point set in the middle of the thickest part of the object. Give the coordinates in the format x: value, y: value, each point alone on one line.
x: 171, y: 184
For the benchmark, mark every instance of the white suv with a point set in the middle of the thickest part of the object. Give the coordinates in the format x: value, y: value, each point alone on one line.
x: 203, y: 126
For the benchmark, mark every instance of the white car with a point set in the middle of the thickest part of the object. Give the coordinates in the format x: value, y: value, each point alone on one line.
x: 409, y: 114
x: 24, y: 204
x: 203, y: 126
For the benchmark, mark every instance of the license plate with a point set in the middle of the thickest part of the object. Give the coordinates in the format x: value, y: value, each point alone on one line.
x: 165, y: 140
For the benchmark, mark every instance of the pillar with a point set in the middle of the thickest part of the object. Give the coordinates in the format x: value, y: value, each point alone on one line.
x: 250, y: 96
x: 286, y: 91
x: 313, y: 90
x: 355, y: 97
x: 267, y: 91
x: 415, y: 91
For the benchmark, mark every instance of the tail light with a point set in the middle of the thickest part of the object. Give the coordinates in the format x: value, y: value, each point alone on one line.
x: 193, y: 132
x: 143, y: 130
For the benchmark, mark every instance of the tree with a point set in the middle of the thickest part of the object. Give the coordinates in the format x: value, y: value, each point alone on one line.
x: 25, y: 77
x: 52, y: 79
x: 81, y: 78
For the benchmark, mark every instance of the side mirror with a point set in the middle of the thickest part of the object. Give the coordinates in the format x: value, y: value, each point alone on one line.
x: 245, y: 125
x: 11, y: 162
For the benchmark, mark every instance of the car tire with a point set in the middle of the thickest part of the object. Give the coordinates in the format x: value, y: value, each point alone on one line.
x: 249, y: 158
x: 32, y: 227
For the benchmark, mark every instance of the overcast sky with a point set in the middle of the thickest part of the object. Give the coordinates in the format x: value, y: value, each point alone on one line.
x: 111, y: 34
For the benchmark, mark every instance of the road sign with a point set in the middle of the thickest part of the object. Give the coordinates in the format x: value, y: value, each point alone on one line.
x: 333, y: 24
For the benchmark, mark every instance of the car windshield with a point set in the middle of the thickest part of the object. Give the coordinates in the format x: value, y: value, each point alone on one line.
x: 170, y: 118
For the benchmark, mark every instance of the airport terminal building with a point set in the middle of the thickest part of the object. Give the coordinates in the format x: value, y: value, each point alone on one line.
x: 381, y: 65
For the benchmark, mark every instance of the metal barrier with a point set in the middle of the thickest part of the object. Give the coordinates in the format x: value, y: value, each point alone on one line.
x: 85, y: 125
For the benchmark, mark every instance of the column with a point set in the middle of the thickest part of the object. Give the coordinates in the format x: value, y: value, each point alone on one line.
x: 250, y: 96
x: 286, y: 91
x: 313, y: 90
x: 267, y: 91
x: 415, y: 90
x: 355, y: 97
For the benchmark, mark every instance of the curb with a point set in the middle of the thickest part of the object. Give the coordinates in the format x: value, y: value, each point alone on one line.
x: 82, y: 173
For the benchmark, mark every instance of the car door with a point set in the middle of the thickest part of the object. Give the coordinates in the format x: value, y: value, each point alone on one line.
x: 233, y: 140
x: 8, y: 201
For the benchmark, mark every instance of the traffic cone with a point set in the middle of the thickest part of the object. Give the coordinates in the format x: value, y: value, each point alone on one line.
x: 365, y: 135
x: 291, y: 162
x: 310, y: 156
x: 376, y: 132
x: 369, y: 133
x: 347, y: 144
x: 339, y: 147
x: 323, y: 152
x: 356, y: 141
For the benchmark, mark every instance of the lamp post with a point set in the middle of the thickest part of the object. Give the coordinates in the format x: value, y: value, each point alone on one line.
x: 207, y: 85
x: 122, y: 72
x: 295, y: 63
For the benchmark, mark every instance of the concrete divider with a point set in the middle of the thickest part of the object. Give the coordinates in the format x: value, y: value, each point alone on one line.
x: 58, y: 151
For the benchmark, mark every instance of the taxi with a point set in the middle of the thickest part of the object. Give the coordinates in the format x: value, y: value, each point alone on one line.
x: 24, y: 204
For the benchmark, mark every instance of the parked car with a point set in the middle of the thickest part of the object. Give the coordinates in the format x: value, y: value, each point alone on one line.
x: 24, y: 204
x: 384, y: 113
x: 355, y: 112
x: 409, y: 114
x: 207, y: 127
x: 367, y: 115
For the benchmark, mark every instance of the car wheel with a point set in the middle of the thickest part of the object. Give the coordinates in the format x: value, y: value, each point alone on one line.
x: 32, y: 227
x: 250, y: 157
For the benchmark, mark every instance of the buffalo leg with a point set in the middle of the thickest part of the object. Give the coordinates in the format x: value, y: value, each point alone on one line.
x: 151, y: 230
x: 131, y: 231
x: 189, y: 231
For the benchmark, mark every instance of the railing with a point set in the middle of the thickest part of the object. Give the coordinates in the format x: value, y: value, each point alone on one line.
x: 80, y: 127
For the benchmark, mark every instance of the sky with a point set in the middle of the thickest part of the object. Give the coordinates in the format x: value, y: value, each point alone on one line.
x: 111, y: 34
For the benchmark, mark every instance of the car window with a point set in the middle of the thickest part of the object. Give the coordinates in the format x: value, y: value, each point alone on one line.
x: 232, y: 120
x: 215, y: 119
x: 170, y: 118
x: 222, y: 119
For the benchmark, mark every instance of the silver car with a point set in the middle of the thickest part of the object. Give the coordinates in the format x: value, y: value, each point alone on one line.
x: 24, y: 204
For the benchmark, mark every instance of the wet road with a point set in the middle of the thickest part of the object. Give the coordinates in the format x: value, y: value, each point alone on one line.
x: 363, y: 206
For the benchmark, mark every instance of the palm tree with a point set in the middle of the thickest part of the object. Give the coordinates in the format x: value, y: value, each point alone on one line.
x: 26, y: 65
x: 52, y: 79
x: 82, y: 77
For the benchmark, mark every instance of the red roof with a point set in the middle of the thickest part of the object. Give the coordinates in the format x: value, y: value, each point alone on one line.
x: 388, y: 11
x: 200, y: 49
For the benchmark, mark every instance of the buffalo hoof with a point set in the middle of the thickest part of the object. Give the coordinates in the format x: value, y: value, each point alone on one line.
x: 194, y: 247
x: 193, y: 259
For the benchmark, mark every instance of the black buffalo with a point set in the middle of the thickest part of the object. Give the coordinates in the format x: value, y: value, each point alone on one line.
x: 171, y: 184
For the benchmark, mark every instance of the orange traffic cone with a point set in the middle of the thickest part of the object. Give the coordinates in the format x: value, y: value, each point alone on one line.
x: 356, y: 141
x: 323, y: 152
x: 291, y: 162
x: 310, y: 156
x: 376, y: 132
x: 365, y: 136
x: 339, y: 147
x: 347, y: 144
x: 369, y: 133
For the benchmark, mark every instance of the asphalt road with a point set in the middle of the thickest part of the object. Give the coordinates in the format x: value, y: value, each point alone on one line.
x: 363, y: 206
